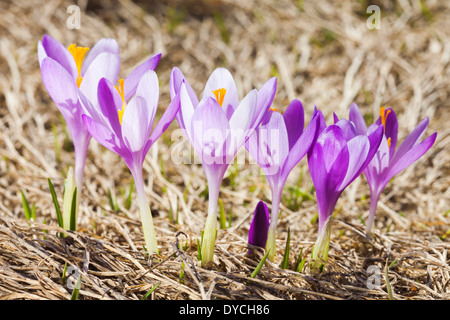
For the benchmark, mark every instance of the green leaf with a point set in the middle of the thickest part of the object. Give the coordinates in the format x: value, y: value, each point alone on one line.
x: 299, y: 264
x: 73, y: 211
x: 129, y: 198
x: 56, y: 204
x: 388, y: 284
x: 26, y: 207
x: 260, y: 264
x: 222, y: 217
x: 199, y: 249
x: 76, y: 290
x: 149, y: 292
x: 285, y: 262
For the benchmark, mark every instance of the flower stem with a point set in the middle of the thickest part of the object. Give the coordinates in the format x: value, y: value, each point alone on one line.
x: 271, y: 236
x: 146, y: 215
x: 319, y: 254
x: 372, y: 211
x: 210, y: 230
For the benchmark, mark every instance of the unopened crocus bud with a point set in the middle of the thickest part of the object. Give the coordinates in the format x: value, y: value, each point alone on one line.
x: 257, y: 234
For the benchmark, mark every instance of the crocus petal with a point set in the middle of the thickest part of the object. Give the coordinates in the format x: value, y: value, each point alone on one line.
x: 132, y: 80
x: 106, y: 137
x: 59, y: 53
x: 391, y: 130
x: 357, y: 118
x: 348, y: 128
x: 148, y: 89
x: 91, y: 110
x: 164, y: 122
x: 136, y: 126
x: 241, y: 121
x: 375, y: 171
x: 266, y: 94
x: 59, y: 83
x: 294, y: 119
x: 302, y: 146
x: 184, y: 116
x: 221, y: 78
x: 103, y: 45
x: 410, y: 140
x: 109, y: 102
x: 257, y: 234
x: 273, y: 145
x: 411, y: 155
x: 176, y: 79
x: 106, y: 65
x: 209, y: 131
x: 332, y: 141
x: 358, y: 148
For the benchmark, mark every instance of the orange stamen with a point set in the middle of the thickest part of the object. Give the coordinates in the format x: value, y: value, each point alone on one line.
x: 274, y: 109
x: 120, y: 89
x: 78, y: 54
x: 220, y: 95
x: 389, y: 142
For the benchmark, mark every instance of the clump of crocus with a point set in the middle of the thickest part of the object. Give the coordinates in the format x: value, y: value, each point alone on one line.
x: 277, y: 145
x: 257, y: 234
x: 125, y: 127
x: 217, y: 126
x: 70, y: 73
x: 389, y: 161
x: 338, y: 157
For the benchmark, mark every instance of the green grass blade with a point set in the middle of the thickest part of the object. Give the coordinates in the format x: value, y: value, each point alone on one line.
x: 129, y: 197
x: 222, y: 218
x: 260, y: 264
x: 285, y: 262
x: 56, y: 204
x: 76, y: 290
x: 388, y: 284
x: 26, y: 207
x: 73, y: 211
x: 149, y: 292
x: 300, y: 262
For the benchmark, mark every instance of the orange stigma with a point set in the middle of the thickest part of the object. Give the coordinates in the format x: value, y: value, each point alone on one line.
x: 389, y: 142
x: 78, y: 54
x: 384, y: 114
x: 220, y: 95
x: 274, y: 109
x: 120, y: 89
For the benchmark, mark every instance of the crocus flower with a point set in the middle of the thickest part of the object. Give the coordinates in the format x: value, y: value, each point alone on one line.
x: 68, y: 75
x: 64, y: 74
x: 217, y: 126
x: 277, y: 145
x: 257, y: 234
x: 125, y: 127
x: 388, y: 160
x: 338, y: 157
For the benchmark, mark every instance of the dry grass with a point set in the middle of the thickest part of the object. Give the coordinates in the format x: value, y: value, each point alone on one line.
x: 322, y: 54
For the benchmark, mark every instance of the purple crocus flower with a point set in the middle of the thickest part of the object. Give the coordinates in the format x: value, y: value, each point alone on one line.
x: 337, y: 159
x: 388, y: 160
x: 257, y: 234
x: 217, y: 126
x: 277, y: 145
x: 125, y: 127
x: 64, y: 74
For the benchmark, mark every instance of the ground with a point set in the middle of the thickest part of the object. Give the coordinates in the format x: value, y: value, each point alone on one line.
x: 323, y: 53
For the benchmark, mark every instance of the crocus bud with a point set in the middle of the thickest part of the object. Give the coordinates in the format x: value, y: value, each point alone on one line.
x: 257, y: 235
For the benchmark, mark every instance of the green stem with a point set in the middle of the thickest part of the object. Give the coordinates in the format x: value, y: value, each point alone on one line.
x: 319, y: 254
x: 146, y: 214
